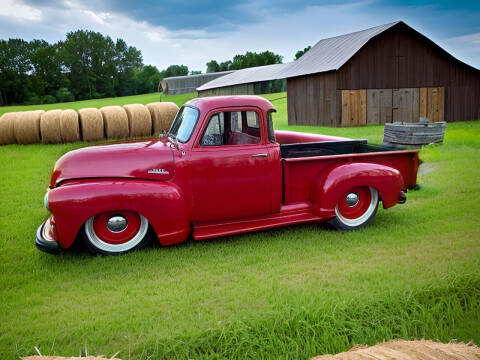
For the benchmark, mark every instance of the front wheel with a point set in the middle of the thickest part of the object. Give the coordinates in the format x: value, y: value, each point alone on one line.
x: 355, y: 209
x: 115, y: 232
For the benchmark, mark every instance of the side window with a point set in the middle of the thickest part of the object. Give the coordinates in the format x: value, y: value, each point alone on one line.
x: 252, y: 120
x: 236, y: 121
x: 213, y: 135
x: 232, y: 128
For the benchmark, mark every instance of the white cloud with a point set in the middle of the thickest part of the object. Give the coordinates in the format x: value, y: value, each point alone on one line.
x: 473, y: 39
x: 281, y: 32
x: 19, y: 10
x: 465, y: 48
x: 94, y: 16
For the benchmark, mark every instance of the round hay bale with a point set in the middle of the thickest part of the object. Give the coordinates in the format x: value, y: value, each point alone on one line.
x: 69, y: 128
x: 50, y: 127
x: 115, y: 121
x: 139, y: 120
x: 27, y: 127
x: 91, y: 124
x: 7, y: 136
x: 408, y: 350
x: 162, y: 114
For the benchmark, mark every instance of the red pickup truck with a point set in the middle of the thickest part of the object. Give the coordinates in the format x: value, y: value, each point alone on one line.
x: 220, y: 170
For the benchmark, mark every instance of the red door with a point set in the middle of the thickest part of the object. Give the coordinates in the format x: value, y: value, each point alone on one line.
x: 231, y: 168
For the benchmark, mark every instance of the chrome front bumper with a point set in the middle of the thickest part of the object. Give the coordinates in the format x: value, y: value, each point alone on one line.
x: 50, y: 247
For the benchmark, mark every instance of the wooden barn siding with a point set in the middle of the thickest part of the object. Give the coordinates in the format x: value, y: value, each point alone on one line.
x: 312, y: 100
x: 399, y: 58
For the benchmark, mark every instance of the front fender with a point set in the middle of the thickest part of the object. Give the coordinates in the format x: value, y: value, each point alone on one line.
x: 335, y: 182
x: 162, y: 203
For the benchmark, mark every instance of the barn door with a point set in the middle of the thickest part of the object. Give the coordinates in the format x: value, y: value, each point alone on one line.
x: 405, y: 105
x: 432, y: 103
x: 379, y: 106
x: 354, y: 107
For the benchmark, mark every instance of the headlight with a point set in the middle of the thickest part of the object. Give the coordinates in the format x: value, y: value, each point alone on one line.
x: 45, y: 201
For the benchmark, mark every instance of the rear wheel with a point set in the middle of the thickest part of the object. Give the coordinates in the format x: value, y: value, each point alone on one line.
x: 116, y: 232
x: 356, y: 208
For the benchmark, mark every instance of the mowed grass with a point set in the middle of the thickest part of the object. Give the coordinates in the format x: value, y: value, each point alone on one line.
x: 98, y: 103
x: 288, y: 293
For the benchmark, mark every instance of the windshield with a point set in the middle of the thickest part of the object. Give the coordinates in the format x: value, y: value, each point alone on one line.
x: 184, y: 123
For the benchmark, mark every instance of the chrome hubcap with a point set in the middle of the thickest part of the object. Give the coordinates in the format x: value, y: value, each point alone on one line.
x: 352, y: 199
x: 117, y: 224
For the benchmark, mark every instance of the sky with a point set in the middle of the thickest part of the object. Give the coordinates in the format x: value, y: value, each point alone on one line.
x: 194, y: 32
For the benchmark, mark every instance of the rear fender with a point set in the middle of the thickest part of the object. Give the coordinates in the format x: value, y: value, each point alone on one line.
x: 335, y: 182
x: 162, y: 203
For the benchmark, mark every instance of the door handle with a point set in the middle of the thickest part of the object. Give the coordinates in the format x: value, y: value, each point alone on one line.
x: 260, y: 155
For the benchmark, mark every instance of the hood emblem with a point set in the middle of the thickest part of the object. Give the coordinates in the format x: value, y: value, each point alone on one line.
x: 158, y: 171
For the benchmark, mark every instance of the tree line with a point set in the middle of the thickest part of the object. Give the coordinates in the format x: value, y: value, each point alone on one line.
x: 89, y: 65
x: 250, y: 59
x: 86, y: 65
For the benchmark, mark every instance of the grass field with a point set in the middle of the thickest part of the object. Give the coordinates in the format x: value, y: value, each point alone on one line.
x: 288, y: 293
x: 98, y: 103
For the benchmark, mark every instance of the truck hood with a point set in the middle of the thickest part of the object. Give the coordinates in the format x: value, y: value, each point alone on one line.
x: 152, y: 160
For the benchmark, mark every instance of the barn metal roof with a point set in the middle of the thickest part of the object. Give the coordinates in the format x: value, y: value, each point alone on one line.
x: 187, y: 83
x: 327, y: 55
x: 332, y: 53
x: 245, y: 76
x: 206, y: 75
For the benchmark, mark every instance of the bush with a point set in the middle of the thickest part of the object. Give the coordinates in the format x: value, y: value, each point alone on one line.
x: 64, y: 95
x: 48, y: 99
x: 32, y: 100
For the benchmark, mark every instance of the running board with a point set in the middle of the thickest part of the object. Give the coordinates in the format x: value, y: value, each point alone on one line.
x: 288, y: 215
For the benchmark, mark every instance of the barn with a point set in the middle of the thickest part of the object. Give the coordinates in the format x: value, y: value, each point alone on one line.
x: 188, y: 83
x: 383, y: 74
x: 249, y: 81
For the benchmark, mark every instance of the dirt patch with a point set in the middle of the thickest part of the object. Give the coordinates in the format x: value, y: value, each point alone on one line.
x: 426, y: 167
x: 409, y: 350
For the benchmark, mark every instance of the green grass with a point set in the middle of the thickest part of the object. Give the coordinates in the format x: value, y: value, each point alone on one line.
x: 286, y: 293
x: 98, y: 103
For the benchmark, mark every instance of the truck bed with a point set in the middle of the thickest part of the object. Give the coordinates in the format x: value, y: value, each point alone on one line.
x: 302, y: 162
x: 329, y: 148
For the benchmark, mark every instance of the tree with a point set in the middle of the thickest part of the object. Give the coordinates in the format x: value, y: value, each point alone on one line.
x: 175, y: 70
x: 47, y: 75
x: 249, y: 59
x: 127, y: 58
x: 15, y: 65
x: 148, y: 79
x: 212, y: 66
x: 299, y: 53
x: 195, y: 72
x: 85, y: 65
